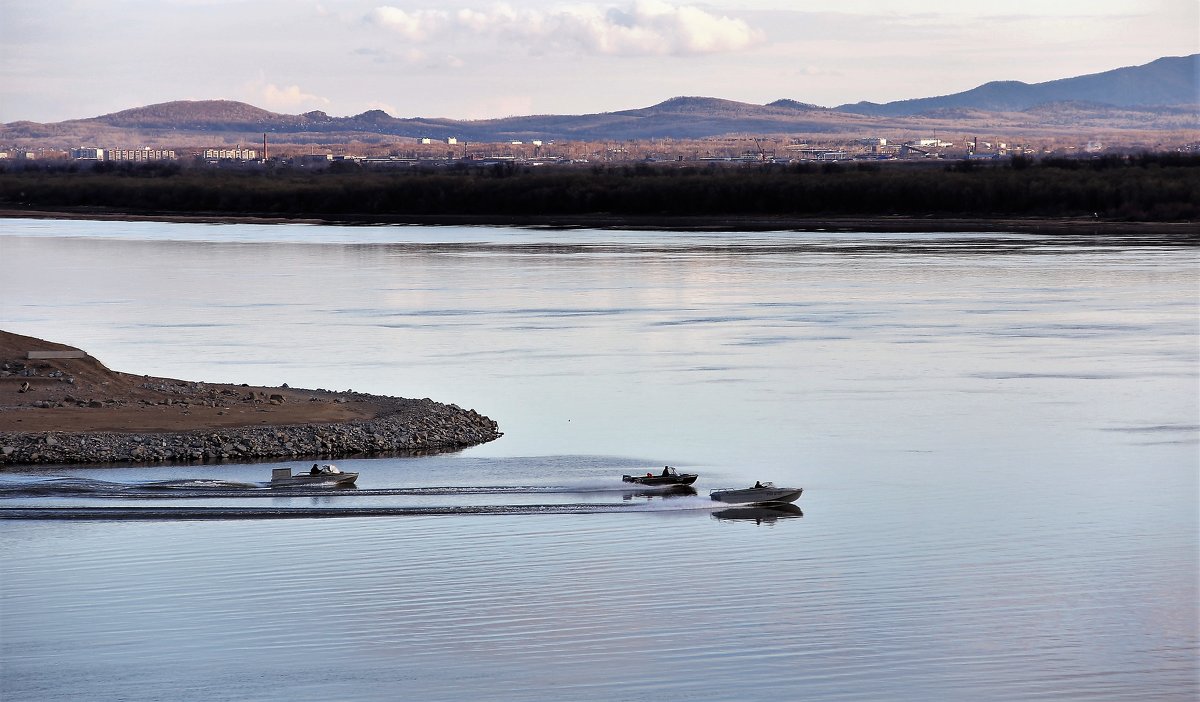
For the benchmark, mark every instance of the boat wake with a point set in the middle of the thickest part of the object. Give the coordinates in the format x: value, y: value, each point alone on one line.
x: 68, y: 487
x: 87, y: 487
x: 75, y: 498
x: 127, y: 513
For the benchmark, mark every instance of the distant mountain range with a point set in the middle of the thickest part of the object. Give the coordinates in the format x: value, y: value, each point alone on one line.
x: 1160, y: 95
x: 1169, y: 81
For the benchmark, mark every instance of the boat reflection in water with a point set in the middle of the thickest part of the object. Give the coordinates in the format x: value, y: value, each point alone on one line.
x: 759, y: 514
x: 663, y: 492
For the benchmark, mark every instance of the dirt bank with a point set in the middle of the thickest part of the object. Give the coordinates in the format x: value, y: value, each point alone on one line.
x: 54, y: 397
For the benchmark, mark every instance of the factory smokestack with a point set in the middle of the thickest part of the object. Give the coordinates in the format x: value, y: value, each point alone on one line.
x: 264, y: 148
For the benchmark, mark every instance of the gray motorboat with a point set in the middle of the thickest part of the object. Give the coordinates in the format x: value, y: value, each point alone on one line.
x: 667, y: 477
x: 327, y: 474
x: 761, y: 493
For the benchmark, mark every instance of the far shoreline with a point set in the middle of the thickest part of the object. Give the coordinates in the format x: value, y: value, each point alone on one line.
x: 1172, y: 232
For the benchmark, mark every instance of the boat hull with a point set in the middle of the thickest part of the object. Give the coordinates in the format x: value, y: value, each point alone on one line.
x: 681, y: 479
x: 341, y: 479
x: 757, y: 495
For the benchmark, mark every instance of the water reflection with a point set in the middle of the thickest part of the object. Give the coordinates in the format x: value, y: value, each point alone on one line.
x: 663, y: 492
x: 759, y: 514
x: 932, y: 371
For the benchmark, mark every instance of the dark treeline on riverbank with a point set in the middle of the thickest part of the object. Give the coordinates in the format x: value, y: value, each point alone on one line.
x: 1152, y: 187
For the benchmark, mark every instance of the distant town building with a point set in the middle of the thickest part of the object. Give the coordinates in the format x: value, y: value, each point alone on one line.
x: 237, y: 154
x: 833, y: 156
x: 142, y: 154
x: 88, y: 153
x: 94, y: 153
x: 451, y: 140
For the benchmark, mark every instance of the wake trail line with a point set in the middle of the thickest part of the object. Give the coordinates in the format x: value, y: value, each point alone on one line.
x: 186, y: 489
x: 230, y: 513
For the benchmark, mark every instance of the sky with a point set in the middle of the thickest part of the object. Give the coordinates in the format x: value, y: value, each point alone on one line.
x: 475, y: 59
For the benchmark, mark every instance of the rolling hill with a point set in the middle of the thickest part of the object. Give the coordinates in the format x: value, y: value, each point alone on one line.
x: 1166, y: 82
x: 1161, y: 95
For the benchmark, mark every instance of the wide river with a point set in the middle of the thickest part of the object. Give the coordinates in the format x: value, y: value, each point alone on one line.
x: 997, y: 437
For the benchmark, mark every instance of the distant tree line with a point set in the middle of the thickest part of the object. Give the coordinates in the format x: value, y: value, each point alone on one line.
x: 1151, y: 187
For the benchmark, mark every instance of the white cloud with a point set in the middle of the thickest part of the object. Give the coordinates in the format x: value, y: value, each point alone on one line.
x: 643, y: 28
x: 417, y: 26
x: 289, y: 98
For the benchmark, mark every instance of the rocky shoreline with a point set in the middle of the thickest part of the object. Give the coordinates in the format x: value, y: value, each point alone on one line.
x: 58, y: 405
x: 425, y: 425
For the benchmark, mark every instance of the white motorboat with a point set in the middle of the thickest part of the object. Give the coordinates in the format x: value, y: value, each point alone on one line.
x: 761, y: 493
x: 327, y: 474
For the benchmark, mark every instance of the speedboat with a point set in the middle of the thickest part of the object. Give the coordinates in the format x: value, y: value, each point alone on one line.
x: 759, y: 494
x: 667, y: 477
x: 327, y: 474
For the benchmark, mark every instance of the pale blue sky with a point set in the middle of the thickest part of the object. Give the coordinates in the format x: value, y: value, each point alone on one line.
x: 63, y: 59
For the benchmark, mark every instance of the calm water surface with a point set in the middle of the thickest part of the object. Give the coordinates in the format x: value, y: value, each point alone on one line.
x: 997, y: 437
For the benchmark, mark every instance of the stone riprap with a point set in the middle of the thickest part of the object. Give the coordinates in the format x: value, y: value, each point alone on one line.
x: 414, y: 425
x: 59, y: 405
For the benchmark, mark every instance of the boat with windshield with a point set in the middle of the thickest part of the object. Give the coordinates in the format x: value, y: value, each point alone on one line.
x: 761, y: 493
x: 668, y: 476
x: 327, y: 474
